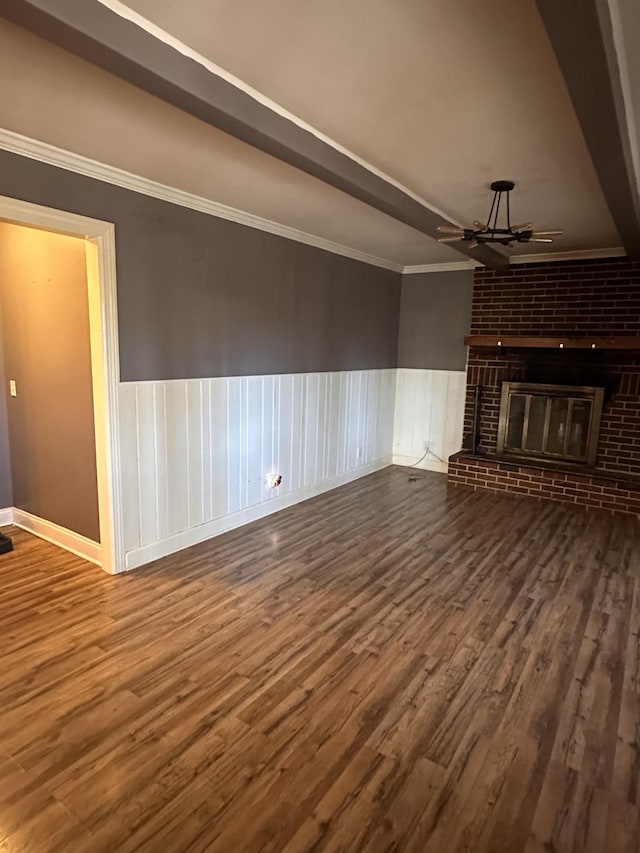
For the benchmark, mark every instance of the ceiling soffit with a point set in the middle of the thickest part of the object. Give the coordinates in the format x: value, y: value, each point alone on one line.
x: 561, y: 190
x: 95, y: 33
x: 590, y: 61
x: 434, y: 95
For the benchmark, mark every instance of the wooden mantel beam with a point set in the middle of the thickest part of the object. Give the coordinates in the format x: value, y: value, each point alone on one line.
x: 533, y: 342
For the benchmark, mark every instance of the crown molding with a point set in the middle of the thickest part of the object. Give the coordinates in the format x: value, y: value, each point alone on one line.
x: 44, y: 152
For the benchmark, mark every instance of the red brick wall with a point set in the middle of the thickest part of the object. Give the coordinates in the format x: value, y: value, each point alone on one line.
x: 599, y: 297
x: 574, y: 298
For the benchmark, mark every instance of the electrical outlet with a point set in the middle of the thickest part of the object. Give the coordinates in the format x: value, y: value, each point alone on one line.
x: 12, y: 388
x: 426, y: 445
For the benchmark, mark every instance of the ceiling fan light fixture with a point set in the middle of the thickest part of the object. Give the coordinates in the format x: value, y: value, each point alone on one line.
x: 491, y: 232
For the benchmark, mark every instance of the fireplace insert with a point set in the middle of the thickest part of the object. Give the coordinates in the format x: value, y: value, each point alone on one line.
x: 556, y: 423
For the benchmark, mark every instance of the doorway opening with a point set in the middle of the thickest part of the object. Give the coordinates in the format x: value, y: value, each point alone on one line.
x: 97, y: 531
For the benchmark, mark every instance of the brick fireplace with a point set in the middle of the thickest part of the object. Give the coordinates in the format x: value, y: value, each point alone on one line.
x: 575, y: 302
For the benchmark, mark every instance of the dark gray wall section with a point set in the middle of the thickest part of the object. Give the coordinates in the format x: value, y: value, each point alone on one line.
x: 435, y: 313
x: 213, y: 298
x: 200, y: 296
x: 6, y: 489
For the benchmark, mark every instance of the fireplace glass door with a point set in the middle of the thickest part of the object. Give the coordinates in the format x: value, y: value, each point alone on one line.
x: 554, y: 422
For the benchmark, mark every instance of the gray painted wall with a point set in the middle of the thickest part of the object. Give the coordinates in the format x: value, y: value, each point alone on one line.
x: 200, y: 296
x: 213, y: 298
x: 45, y: 334
x: 6, y: 489
x: 435, y: 314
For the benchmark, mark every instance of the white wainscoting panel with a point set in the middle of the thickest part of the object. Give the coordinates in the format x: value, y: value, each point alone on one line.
x: 429, y: 408
x: 196, y: 453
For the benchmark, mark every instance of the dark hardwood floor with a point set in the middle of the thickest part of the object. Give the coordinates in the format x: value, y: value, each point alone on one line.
x: 391, y: 666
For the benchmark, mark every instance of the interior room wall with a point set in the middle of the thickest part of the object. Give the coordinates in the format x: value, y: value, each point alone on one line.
x: 242, y: 353
x: 435, y: 312
x: 6, y: 488
x: 45, y: 333
x: 200, y: 296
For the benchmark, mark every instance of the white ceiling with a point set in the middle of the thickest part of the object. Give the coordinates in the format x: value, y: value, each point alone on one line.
x: 50, y: 95
x: 442, y: 96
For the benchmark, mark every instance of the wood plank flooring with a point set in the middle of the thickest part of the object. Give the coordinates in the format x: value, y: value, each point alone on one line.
x: 392, y: 666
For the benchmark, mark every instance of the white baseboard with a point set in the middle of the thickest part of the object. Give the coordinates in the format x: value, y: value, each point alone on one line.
x: 6, y: 516
x: 187, y: 538
x: 60, y: 536
x: 425, y: 465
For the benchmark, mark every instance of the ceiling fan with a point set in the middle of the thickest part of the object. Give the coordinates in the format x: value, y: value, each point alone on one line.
x: 490, y: 232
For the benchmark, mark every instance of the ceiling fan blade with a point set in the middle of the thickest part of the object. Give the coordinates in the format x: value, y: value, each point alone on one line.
x: 539, y: 240
x: 449, y: 229
x: 526, y: 226
x: 547, y: 233
x: 451, y: 239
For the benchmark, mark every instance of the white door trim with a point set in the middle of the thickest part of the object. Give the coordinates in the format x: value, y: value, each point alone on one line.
x: 105, y: 366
